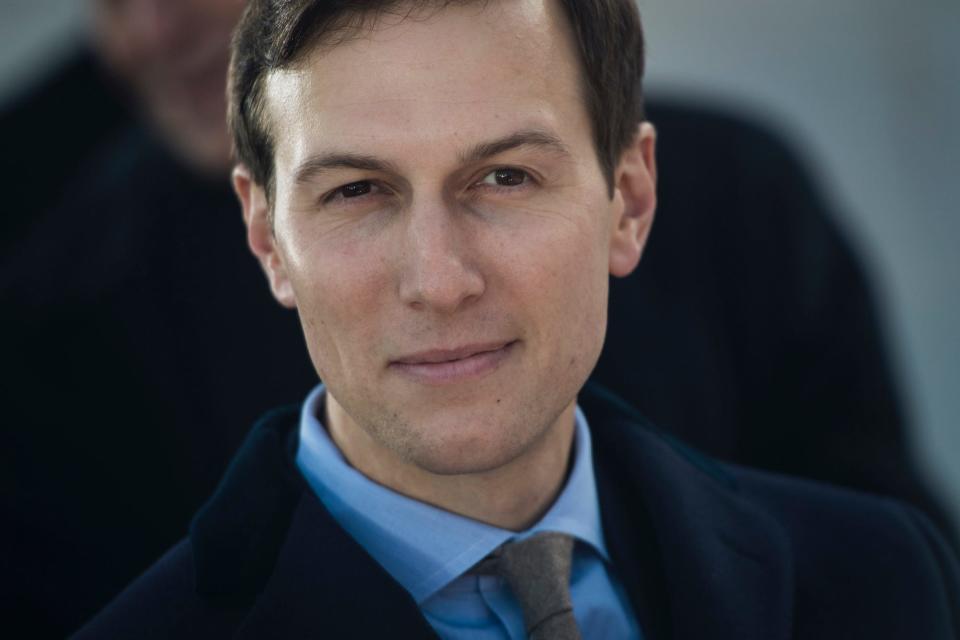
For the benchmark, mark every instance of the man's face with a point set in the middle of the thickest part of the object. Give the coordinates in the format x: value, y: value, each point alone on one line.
x: 173, y: 54
x: 442, y: 226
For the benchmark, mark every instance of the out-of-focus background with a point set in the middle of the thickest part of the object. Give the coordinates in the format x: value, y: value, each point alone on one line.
x: 870, y: 92
x: 867, y: 90
x: 129, y: 298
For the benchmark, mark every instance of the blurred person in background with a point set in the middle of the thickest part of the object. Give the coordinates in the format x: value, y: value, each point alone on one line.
x: 140, y: 343
x: 171, y: 54
x: 158, y: 63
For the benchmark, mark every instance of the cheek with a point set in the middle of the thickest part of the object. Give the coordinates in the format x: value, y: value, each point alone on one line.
x: 339, y: 292
x: 564, y: 283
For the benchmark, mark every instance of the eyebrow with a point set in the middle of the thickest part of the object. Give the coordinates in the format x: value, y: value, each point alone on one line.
x: 537, y: 138
x: 316, y: 165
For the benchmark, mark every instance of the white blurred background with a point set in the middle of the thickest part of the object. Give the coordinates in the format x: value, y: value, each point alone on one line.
x: 870, y: 92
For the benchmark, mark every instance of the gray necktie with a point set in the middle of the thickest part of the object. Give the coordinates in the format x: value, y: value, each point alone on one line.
x: 538, y: 572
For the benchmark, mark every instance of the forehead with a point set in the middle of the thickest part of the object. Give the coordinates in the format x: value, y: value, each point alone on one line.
x: 434, y: 80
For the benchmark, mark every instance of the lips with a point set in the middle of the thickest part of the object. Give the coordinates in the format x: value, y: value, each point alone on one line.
x: 443, y: 366
x: 435, y: 356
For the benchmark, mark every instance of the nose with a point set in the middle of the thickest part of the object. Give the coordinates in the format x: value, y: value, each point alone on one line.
x: 439, y: 268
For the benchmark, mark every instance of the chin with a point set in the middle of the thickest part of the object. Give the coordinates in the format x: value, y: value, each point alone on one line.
x: 464, y: 446
x: 459, y: 462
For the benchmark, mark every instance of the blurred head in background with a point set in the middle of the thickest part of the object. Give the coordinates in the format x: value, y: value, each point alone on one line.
x: 173, y: 55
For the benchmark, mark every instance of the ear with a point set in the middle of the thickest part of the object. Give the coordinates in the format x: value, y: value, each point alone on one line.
x: 635, y: 199
x: 260, y: 235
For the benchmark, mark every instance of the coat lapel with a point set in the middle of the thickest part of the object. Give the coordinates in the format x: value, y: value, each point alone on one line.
x: 325, y: 585
x: 264, y: 543
x: 698, y: 560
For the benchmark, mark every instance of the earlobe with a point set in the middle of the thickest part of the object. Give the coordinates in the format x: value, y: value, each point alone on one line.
x: 260, y: 235
x: 635, y: 199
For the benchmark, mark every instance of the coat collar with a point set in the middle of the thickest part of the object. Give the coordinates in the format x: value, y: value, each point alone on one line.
x: 697, y: 559
x: 352, y: 595
x: 264, y: 541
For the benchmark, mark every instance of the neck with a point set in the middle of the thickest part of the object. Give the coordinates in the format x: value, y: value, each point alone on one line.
x: 512, y: 496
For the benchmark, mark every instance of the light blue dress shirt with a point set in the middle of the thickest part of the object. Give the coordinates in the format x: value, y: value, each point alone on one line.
x: 428, y: 550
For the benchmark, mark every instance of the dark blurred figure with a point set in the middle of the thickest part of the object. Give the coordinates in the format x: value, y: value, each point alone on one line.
x: 163, y: 58
x: 49, y: 132
x: 755, y: 318
x: 140, y: 340
x: 172, y: 54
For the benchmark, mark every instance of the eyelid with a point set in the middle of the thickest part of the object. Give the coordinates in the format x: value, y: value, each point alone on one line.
x: 532, y: 176
x: 377, y: 188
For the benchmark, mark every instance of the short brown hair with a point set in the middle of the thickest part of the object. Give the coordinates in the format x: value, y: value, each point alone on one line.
x: 275, y: 34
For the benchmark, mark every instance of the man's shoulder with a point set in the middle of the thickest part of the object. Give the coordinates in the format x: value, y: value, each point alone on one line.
x: 263, y: 559
x: 204, y: 586
x: 164, y: 603
x: 813, y: 514
x: 858, y: 556
x: 844, y: 558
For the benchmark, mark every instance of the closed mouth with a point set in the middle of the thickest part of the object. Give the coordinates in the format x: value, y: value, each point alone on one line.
x: 447, y: 366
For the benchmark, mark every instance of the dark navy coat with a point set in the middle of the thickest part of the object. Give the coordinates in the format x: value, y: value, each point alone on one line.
x: 704, y: 549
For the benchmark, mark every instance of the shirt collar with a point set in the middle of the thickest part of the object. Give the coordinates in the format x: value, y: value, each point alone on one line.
x: 423, y: 547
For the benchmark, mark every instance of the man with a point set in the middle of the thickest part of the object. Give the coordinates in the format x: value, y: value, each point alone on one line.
x: 440, y: 192
x: 749, y: 300
x: 154, y: 62
x: 170, y: 56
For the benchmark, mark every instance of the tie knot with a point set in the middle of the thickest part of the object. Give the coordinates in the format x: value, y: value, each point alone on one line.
x: 538, y: 572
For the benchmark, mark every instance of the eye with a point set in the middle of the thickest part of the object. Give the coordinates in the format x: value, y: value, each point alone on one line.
x: 359, y: 191
x: 505, y: 177
x: 354, y: 189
